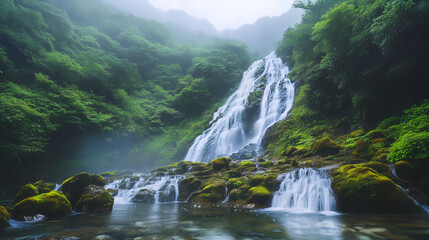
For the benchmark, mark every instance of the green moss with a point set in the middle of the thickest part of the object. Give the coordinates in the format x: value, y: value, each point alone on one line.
x: 26, y: 191
x: 356, y: 133
x: 259, y: 195
x: 97, y: 180
x: 246, y: 164
x: 4, y: 218
x: 267, y: 164
x: 234, y: 183
x: 403, y: 170
x: 256, y: 180
x: 362, y: 189
x: 221, y: 163
x: 187, y: 186
x: 44, y: 187
x: 325, y: 147
x: 211, y: 193
x: 94, y: 199
x: 74, y: 186
x: 52, y: 204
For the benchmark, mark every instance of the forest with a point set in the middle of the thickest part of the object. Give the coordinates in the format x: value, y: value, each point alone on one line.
x: 107, y: 113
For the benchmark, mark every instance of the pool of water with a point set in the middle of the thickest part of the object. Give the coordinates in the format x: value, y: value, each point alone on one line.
x: 185, y: 221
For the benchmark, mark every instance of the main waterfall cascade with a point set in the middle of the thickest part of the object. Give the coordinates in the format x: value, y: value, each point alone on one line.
x: 305, y: 190
x: 265, y: 96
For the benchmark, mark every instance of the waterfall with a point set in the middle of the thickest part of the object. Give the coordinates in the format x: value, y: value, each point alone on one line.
x: 161, y: 189
x: 265, y: 96
x: 305, y: 190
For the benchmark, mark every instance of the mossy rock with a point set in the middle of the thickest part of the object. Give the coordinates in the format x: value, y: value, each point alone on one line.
x: 259, y: 195
x: 4, y: 218
x: 234, y: 174
x: 256, y: 180
x: 239, y: 194
x: 357, y: 133
x: 221, y: 163
x: 363, y: 149
x: 403, y: 170
x: 98, y: 180
x: 74, y: 186
x: 52, y: 204
x: 187, y: 186
x: 377, y: 166
x: 113, y: 192
x: 325, y: 147
x: 234, y: 183
x: 267, y: 164
x: 183, y: 167
x: 360, y: 189
x: 289, y: 151
x: 271, y: 182
x: 28, y: 190
x: 95, y: 199
x: 375, y: 134
x: 212, y: 193
x: 144, y: 196
x: 246, y: 164
x: 44, y: 187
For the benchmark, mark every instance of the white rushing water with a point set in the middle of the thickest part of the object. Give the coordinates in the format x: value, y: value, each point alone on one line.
x: 233, y: 126
x: 165, y: 189
x: 305, y: 190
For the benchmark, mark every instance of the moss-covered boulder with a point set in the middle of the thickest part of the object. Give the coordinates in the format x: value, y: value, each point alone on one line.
x: 289, y: 151
x: 256, y: 180
x: 4, y: 218
x: 239, y: 195
x: 94, y: 199
x: 325, y: 147
x: 26, y: 191
x: 259, y: 195
x: 187, y: 186
x: 221, y: 163
x: 403, y: 170
x: 74, y: 186
x: 52, y: 204
x: 234, y: 183
x: 246, y: 164
x: 211, y: 193
x: 144, y: 196
x: 44, y: 187
x: 361, y: 189
x: 267, y: 164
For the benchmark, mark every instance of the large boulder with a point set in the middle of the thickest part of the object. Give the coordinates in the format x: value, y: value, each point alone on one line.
x: 325, y: 147
x: 4, y: 218
x: 74, y: 186
x: 94, y: 199
x: 260, y: 195
x: 52, y: 204
x: 211, y: 193
x: 188, y: 186
x: 144, y: 196
x: 26, y: 191
x: 221, y: 163
x: 361, y: 189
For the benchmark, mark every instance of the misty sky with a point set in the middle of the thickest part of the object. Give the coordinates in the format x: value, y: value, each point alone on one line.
x: 227, y: 13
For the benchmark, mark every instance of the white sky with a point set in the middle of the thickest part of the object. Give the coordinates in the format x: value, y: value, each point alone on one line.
x: 227, y: 13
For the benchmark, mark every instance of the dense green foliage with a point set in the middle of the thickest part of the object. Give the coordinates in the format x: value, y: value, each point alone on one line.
x: 359, y: 58
x: 71, y: 70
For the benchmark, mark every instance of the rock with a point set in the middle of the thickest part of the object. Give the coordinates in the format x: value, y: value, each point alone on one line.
x: 74, y: 186
x: 357, y: 133
x: 26, y: 191
x: 183, y: 167
x: 188, y: 186
x: 52, y: 204
x: 94, y: 199
x: 212, y: 193
x: 325, y: 147
x: 234, y: 183
x: 144, y: 196
x: 259, y: 195
x: 361, y: 189
x: 4, y: 218
x: 246, y: 164
x: 288, y: 152
x: 403, y: 170
x: 113, y: 192
x: 233, y: 173
x: 240, y: 194
x: 44, y: 187
x: 221, y: 163
x: 256, y: 180
x: 267, y: 164
x: 97, y: 180
x: 246, y: 152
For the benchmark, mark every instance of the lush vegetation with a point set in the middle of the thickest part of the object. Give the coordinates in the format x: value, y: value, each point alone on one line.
x: 79, y: 73
x: 360, y: 59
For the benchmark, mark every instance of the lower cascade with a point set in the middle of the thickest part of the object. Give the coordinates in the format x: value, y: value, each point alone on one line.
x: 265, y: 96
x: 145, y: 188
x: 305, y: 190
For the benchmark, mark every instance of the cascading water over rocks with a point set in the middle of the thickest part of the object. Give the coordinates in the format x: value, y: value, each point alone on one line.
x: 265, y: 96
